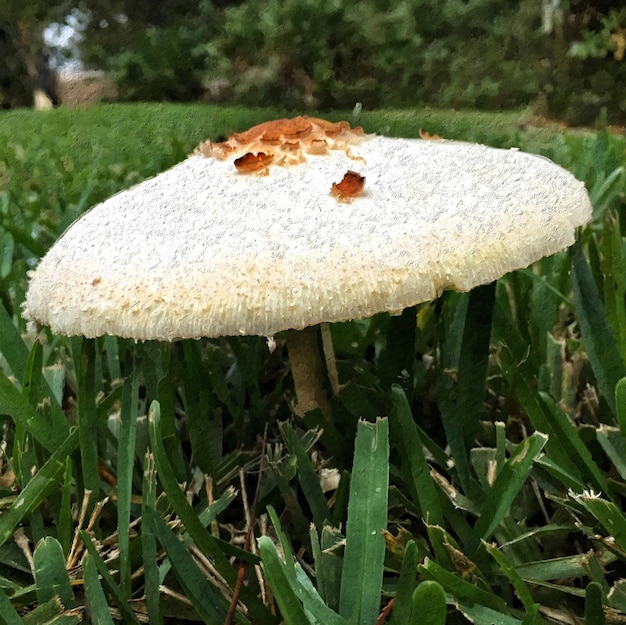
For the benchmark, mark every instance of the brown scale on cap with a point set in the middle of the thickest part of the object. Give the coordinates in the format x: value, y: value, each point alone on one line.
x: 350, y: 186
x: 282, y: 142
x: 249, y: 162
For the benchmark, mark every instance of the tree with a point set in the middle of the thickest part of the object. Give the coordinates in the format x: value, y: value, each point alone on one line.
x: 332, y: 53
x: 22, y: 47
x: 586, y: 62
x: 149, y: 48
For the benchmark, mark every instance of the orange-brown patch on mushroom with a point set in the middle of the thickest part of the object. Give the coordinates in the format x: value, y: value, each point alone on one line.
x: 318, y: 146
x: 350, y: 186
x: 250, y: 163
x: 291, y: 146
x: 296, y: 128
x: 247, y: 136
x: 284, y: 142
x: 332, y: 130
x: 210, y: 149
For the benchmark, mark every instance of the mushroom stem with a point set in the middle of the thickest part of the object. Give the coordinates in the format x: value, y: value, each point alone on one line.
x: 308, y: 370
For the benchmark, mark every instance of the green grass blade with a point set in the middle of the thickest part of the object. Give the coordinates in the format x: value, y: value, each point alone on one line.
x: 112, y: 353
x: 613, y: 443
x: 128, y: 616
x: 290, y: 606
x: 15, y: 404
x: 620, y: 405
x: 443, y: 546
x: 285, y: 546
x: 403, y: 605
x: 414, y: 465
x: 98, y: 605
x: 560, y: 568
x: 8, y: 614
x: 484, y: 615
x: 606, y: 361
x: 521, y: 588
x: 429, y: 604
x: 313, y: 602
x: 167, y: 398
x: 570, y: 441
x: 308, y: 480
x: 596, y: 573
x: 40, y: 392
x: 473, y: 359
x: 187, y: 514
x: 617, y: 596
x: 519, y: 375
x: 27, y: 460
x: 506, y: 487
x: 64, y: 522
x: 364, y: 555
x: 87, y: 418
x: 397, y: 359
x: 51, y: 577
x: 12, y: 344
x: 209, y: 604
x: 468, y: 354
x: 209, y: 514
x: 125, y: 469
x: 459, y: 588
x: 50, y: 613
x: 611, y: 246
x: 301, y: 587
x: 197, y: 400
x: 561, y: 475
x: 340, y: 508
x: 608, y: 514
x: 608, y: 188
x: 594, y: 610
x: 149, y: 542
x: 327, y: 564
x: 38, y: 488
x: 198, y: 533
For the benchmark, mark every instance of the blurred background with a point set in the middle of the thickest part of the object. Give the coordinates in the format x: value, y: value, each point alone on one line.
x: 565, y: 59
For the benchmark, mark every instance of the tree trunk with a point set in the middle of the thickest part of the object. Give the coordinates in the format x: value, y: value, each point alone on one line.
x: 16, y: 83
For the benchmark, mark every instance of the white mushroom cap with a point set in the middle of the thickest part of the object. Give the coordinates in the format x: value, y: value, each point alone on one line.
x: 277, y: 242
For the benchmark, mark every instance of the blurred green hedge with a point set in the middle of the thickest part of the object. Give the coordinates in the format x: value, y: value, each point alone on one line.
x: 565, y: 61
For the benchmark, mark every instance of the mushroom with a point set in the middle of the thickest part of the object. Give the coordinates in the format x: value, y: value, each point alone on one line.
x: 295, y: 223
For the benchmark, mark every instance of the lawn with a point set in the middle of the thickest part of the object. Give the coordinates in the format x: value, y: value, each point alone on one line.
x: 151, y: 482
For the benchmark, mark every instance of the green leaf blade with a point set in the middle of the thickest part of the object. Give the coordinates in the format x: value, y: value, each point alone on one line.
x: 364, y: 555
x: 599, y: 337
x: 403, y: 605
x: 290, y: 606
x: 51, y: 577
x: 98, y: 605
x: 206, y: 600
x: 8, y: 614
x: 38, y: 488
x: 414, y: 464
x: 429, y: 604
x: 504, y: 490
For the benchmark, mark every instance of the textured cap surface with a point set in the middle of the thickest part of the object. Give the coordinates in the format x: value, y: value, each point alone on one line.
x: 289, y: 226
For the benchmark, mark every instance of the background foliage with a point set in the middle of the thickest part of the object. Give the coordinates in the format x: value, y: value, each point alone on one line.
x: 564, y: 58
x: 334, y: 53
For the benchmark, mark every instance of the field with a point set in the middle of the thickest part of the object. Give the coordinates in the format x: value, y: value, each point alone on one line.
x: 152, y: 482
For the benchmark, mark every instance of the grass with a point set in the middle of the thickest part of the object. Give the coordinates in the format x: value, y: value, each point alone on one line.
x: 441, y: 492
